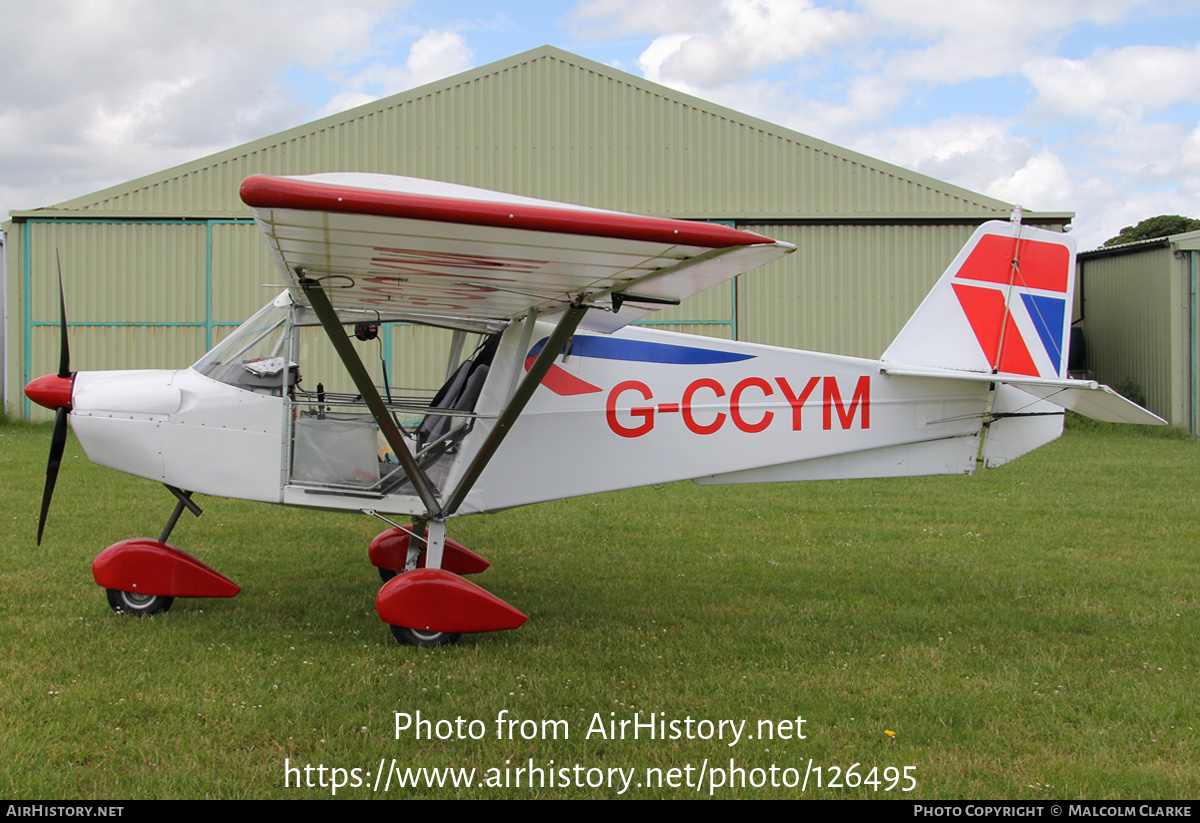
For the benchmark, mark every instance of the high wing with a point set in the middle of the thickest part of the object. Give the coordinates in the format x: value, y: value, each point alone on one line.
x: 468, y: 258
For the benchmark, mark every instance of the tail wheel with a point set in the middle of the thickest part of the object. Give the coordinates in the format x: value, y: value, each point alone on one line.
x: 139, y: 605
x: 413, y: 637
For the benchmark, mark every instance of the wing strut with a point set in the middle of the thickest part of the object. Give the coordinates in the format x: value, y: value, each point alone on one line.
x: 554, y: 346
x: 362, y: 381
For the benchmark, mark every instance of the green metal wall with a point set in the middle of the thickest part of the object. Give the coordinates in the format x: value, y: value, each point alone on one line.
x: 1137, y: 320
x: 139, y: 294
x: 847, y: 289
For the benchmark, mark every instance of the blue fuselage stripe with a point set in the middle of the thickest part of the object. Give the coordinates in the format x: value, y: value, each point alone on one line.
x: 610, y: 348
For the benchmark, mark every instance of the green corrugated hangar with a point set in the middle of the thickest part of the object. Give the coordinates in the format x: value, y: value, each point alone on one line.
x: 158, y: 269
x: 1139, y: 316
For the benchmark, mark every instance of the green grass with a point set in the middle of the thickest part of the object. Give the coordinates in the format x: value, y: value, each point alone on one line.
x: 1027, y: 633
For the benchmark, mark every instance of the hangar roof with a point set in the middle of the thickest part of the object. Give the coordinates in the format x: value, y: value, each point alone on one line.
x: 550, y: 124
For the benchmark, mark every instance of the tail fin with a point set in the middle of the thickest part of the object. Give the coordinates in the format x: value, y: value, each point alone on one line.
x: 1002, y: 307
x: 1002, y: 313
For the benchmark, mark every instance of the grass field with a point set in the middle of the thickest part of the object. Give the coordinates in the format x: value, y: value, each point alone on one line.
x: 1028, y: 633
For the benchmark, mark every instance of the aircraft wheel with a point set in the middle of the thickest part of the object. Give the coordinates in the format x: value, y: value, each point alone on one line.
x: 412, y: 637
x: 387, y: 574
x: 139, y: 605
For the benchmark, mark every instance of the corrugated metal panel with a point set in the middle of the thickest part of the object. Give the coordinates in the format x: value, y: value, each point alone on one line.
x: 721, y: 331
x: 137, y: 295
x: 847, y: 289
x: 554, y: 125
x: 135, y: 347
x: 709, y: 313
x: 1133, y: 322
x: 243, y: 275
x: 114, y: 272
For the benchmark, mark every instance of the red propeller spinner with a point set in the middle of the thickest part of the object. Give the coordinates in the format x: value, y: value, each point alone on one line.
x: 51, y: 391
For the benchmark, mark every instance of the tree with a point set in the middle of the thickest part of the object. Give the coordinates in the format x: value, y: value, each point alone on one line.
x: 1151, y: 227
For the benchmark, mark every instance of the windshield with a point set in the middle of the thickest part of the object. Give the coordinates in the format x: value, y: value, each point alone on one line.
x: 253, y: 356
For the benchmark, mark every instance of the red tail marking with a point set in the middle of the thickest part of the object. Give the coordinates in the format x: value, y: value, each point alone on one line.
x: 1041, y: 265
x: 988, y: 315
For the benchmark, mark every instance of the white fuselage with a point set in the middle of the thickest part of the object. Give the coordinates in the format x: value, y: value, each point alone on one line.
x: 633, y: 408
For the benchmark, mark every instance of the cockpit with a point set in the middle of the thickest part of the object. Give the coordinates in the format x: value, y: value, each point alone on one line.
x: 336, y: 446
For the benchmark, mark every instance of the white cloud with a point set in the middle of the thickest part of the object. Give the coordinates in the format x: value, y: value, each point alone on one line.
x: 868, y: 98
x: 973, y: 152
x: 935, y: 42
x: 728, y: 50
x: 438, y: 54
x: 712, y: 44
x: 754, y: 35
x: 1042, y: 184
x: 834, y: 69
x: 1110, y: 208
x: 100, y: 91
x: 103, y: 91
x: 621, y: 18
x: 1116, y: 82
x: 1190, y: 152
x: 1114, y: 179
x: 435, y: 55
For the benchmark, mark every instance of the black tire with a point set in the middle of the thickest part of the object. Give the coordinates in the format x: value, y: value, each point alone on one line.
x: 411, y: 637
x: 387, y: 574
x: 139, y: 605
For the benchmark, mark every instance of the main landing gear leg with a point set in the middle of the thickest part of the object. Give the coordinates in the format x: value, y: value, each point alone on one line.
x: 435, y: 544
x: 416, y: 548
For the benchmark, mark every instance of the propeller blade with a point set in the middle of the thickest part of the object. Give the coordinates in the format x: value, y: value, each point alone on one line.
x: 64, y: 347
x: 57, y: 442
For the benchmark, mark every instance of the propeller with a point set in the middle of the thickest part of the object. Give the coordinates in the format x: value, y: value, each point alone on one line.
x: 54, y: 392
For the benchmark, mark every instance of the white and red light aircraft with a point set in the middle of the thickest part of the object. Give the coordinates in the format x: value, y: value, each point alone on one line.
x: 976, y: 377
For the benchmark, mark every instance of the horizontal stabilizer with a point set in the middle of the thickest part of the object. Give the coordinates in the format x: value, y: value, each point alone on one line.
x: 1087, y: 397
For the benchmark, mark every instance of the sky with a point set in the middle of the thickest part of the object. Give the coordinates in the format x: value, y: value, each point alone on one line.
x: 1090, y: 106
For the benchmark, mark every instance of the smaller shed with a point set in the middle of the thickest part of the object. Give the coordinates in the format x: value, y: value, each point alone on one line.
x: 1139, y: 317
